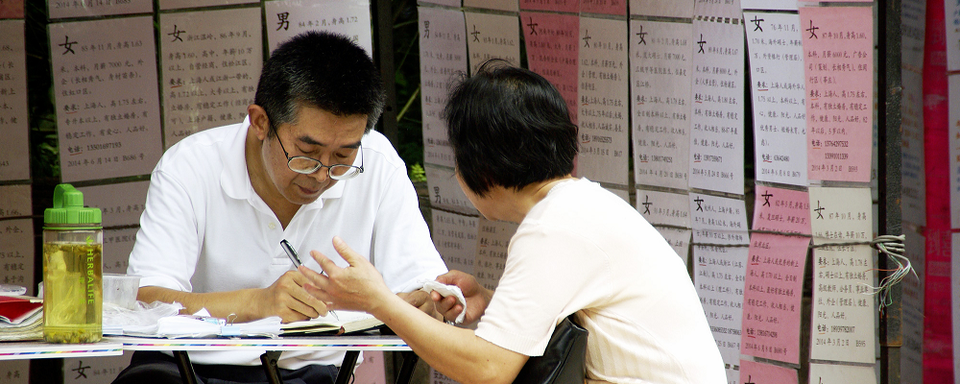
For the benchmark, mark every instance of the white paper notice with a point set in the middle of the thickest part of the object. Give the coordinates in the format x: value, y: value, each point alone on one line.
x: 445, y: 191
x: 952, y: 19
x: 718, y: 220
x: 954, y: 130
x: 286, y: 19
x: 15, y: 201
x: 724, y: 10
x: 117, y: 245
x: 492, y: 245
x: 769, y: 5
x: 842, y: 324
x: 179, y: 4
x: 15, y: 371
x: 210, y: 61
x: 502, y: 5
x: 14, y: 121
x: 846, y: 374
x: 492, y: 36
x: 455, y: 237
x: 17, y: 253
x: 913, y: 185
x: 604, y: 94
x: 100, y: 370
x: 780, y: 112
x: 105, y: 85
x: 955, y: 291
x: 719, y: 279
x: 660, y: 85
x: 665, y: 8
x: 664, y: 208
x: 716, y: 145
x: 121, y: 204
x: 443, y: 54
x: 679, y: 239
x: 61, y: 9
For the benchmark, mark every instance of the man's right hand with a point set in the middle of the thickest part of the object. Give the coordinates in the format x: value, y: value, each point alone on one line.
x: 477, y: 297
x: 287, y: 298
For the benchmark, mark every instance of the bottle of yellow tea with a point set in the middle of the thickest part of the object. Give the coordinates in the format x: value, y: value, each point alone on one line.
x: 72, y: 269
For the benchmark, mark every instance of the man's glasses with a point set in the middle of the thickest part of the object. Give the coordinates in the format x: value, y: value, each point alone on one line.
x: 306, y: 165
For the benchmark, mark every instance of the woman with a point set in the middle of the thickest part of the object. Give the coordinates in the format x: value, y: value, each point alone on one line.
x: 578, y: 249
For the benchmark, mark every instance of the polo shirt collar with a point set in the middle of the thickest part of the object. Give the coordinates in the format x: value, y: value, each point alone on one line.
x: 235, y: 180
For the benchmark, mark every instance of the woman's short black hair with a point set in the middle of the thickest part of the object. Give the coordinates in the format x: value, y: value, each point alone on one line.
x: 509, y: 127
x: 319, y: 69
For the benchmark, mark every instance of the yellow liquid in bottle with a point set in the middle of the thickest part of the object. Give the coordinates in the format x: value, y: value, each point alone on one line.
x: 73, y: 292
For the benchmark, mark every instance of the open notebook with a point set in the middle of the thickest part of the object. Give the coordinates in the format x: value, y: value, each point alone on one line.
x: 334, y: 323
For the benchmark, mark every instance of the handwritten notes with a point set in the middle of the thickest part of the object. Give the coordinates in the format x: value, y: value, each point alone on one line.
x: 105, y: 86
x: 121, y: 204
x: 664, y: 8
x: 492, y: 36
x: 781, y: 210
x: 210, y: 61
x: 780, y: 116
x: 286, y: 19
x: 568, y: 6
x: 717, y: 136
x: 17, y: 253
x: 660, y: 85
x: 772, y: 297
x: 719, y: 279
x: 444, y: 190
x: 718, y: 220
x: 843, y: 309
x: 493, y: 241
x: 443, y: 54
x: 14, y: 121
x: 664, y: 208
x: 603, y: 92
x: 180, y: 4
x: 838, y: 61
x: 552, y: 48
x: 61, y: 9
x: 759, y: 373
x: 455, y: 237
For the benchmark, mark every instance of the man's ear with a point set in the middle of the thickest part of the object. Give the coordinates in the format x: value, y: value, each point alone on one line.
x: 259, y: 120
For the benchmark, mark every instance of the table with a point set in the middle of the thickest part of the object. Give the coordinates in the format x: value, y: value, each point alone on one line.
x: 22, y: 350
x: 351, y: 344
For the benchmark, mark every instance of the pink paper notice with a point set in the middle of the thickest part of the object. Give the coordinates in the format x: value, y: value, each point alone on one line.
x: 552, y: 48
x: 781, y: 210
x: 752, y: 372
x: 838, y: 61
x: 11, y: 9
x: 772, y: 295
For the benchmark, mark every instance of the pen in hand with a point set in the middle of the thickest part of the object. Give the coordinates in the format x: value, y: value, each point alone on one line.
x: 292, y: 254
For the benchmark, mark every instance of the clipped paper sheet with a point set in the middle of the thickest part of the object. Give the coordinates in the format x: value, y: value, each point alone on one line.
x: 664, y: 208
x: 772, y: 299
x: 500, y: 5
x: 179, y: 4
x: 117, y: 245
x: 492, y: 36
x: 552, y: 46
x: 781, y: 210
x: 911, y: 362
x: 664, y: 8
x: 211, y: 63
x: 11, y: 9
x: 14, y: 120
x: 769, y: 5
x: 843, y: 311
x: 717, y: 136
x: 15, y: 201
x: 846, y: 374
x: 679, y: 240
x: 444, y: 191
x: 954, y: 139
x: 567, y: 6
x: 604, y: 94
x: 17, y: 253
x: 952, y: 19
x: 838, y: 58
x: 121, y: 204
x: 455, y: 237
x: 661, y: 67
x: 62, y: 9
x: 777, y: 86
x: 443, y: 55
x: 492, y: 242
x: 718, y: 277
x: 756, y: 373
x: 718, y: 220
x: 105, y: 86
x: 286, y: 19
x: 605, y: 7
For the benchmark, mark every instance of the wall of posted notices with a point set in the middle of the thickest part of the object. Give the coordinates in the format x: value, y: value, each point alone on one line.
x: 745, y: 132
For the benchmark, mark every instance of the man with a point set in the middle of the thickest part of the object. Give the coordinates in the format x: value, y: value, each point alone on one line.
x: 304, y: 166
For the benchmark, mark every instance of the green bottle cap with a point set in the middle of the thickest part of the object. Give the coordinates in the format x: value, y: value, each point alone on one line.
x: 68, y: 209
